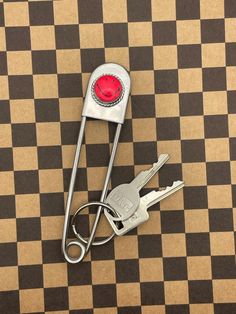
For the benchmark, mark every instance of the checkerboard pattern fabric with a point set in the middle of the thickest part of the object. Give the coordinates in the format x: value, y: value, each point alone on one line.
x: 181, y: 55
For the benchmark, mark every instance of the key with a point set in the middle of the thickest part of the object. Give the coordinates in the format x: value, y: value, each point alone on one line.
x: 124, y: 198
x: 141, y: 214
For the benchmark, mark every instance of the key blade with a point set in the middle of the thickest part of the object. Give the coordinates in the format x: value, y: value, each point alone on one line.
x: 156, y: 196
x: 144, y: 176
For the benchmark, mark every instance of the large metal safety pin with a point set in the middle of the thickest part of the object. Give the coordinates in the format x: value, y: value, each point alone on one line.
x: 106, y: 99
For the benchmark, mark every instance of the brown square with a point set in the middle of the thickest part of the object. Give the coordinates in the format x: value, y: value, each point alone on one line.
x: 25, y: 158
x: 153, y: 309
x: 173, y: 148
x: 4, y: 88
x: 27, y: 205
x: 97, y: 132
x: 165, y: 57
x: 107, y: 310
x: 2, y: 39
x: 22, y: 111
x: 79, y: 198
x: 103, y: 272
x: 45, y: 86
x: 213, y: 55
x: 201, y: 308
x: 70, y: 109
x: 232, y: 125
x: 68, y: 152
x: 211, y: 9
x: 233, y: 172
x: 215, y: 103
x: 230, y: 26
x: 199, y: 267
x: 167, y: 105
x: 80, y: 297
x: 42, y: 37
x: 219, y: 196
x: 144, y: 130
x: 8, y: 230
x: 51, y: 180
x: 163, y: 10
x: 31, y: 300
x: 104, y: 228
x: 95, y: 177
x: 176, y: 292
x: 191, y: 127
x: 128, y: 294
x: 49, y: 233
x: 91, y: 36
x: 231, y: 77
x: 190, y: 80
x: 196, y: 220
x: 48, y: 133
x: 224, y: 290
x: 9, y: 278
x: 188, y: 32
x: 143, y: 82
x: 194, y: 174
x: 16, y: 14
x: 19, y: 62
x: 173, y: 202
x: 7, y: 183
x: 51, y: 277
x: 68, y: 60
x: 152, y: 226
x: 217, y: 149
x: 222, y: 243
x: 126, y: 247
x: 118, y: 55
x: 114, y: 12
x: 140, y: 34
x: 124, y: 155
x: 65, y: 12
x: 153, y: 183
x: 29, y: 252
x: 151, y: 269
x: 5, y: 135
x: 173, y: 245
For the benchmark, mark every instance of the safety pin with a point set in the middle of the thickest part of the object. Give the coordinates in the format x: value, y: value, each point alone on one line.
x: 106, y: 99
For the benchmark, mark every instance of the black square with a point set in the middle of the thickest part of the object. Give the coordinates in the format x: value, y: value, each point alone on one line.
x: 49, y: 157
x: 8, y: 254
x: 152, y: 293
x: 175, y: 268
x: 231, y: 98
x: 221, y: 219
x: 198, y: 244
x: 7, y: 206
x: 5, y: 112
x: 169, y: 174
x: 30, y: 277
x: 193, y: 150
x: 91, y: 58
x: 47, y: 110
x: 1, y: 15
x: 46, y: 201
x: 67, y: 36
x: 121, y: 174
x: 87, y: 311
x: 195, y: 197
x: 141, y: 58
x: 116, y: 34
x: 230, y: 54
x: 104, y: 296
x: 21, y: 86
x: 90, y: 11
x: 214, y: 79
x: 177, y: 309
x: 23, y: 134
x: 127, y: 270
x: 9, y: 301
x: 143, y: 106
x: 26, y: 182
x: 172, y: 221
x: 150, y: 245
x: 166, y: 81
x: 187, y: 9
x: 232, y: 145
x: 129, y: 309
x: 56, y: 299
x: 164, y: 33
x: 18, y: 38
x: 70, y: 85
x: 79, y: 274
x: 216, y: 126
x: 103, y: 252
x: 234, y: 195
x: 200, y: 291
x: 51, y: 250
x: 98, y: 155
x: 212, y: 31
x: 126, y: 134
x: 81, y: 179
x: 3, y: 63
x: 28, y: 229
x: 225, y: 308
x: 218, y: 173
x: 168, y: 128
x: 191, y: 104
x: 6, y: 159
x: 145, y: 153
x: 230, y: 11
x: 69, y: 132
x: 223, y: 267
x: 189, y: 56
x: 44, y: 62
x: 139, y: 11
x: 41, y: 13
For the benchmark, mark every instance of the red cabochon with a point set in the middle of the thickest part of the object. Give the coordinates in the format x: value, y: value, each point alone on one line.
x: 108, y: 88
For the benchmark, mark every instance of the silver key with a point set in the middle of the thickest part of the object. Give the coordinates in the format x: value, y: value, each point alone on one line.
x: 125, y: 199
x: 141, y: 215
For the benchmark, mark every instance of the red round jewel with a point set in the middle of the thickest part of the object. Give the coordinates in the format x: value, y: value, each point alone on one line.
x: 108, y: 88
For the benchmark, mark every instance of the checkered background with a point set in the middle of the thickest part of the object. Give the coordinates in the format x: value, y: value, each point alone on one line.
x: 182, y: 60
